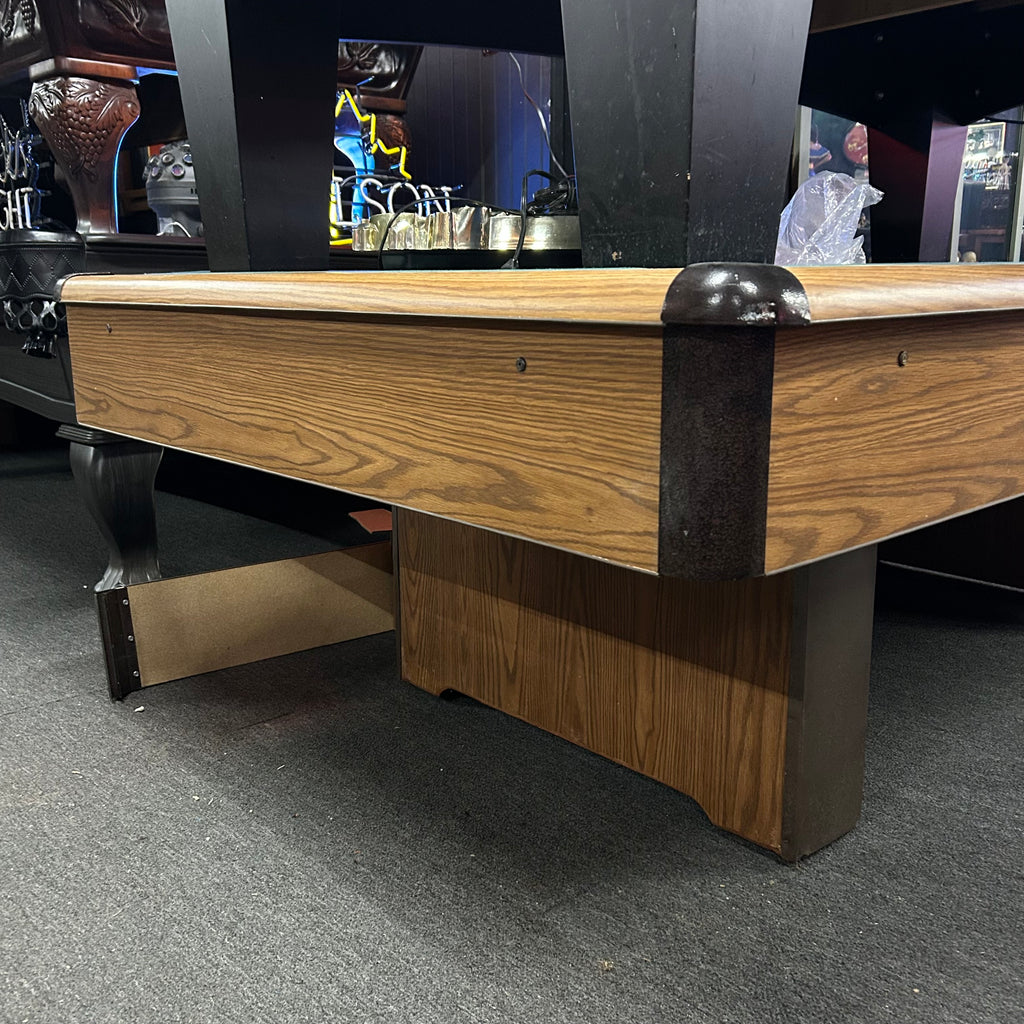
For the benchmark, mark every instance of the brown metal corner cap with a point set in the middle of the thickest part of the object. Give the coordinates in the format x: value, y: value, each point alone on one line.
x: 737, y: 295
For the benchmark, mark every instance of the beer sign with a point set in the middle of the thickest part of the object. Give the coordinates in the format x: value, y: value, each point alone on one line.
x: 19, y: 173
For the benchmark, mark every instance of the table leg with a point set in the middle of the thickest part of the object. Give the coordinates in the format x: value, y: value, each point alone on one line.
x: 116, y: 478
x: 84, y: 121
x: 682, y: 126
x: 750, y: 696
x: 264, y: 150
x: 921, y: 176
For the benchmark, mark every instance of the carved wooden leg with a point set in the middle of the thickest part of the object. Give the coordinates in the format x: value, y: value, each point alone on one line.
x: 83, y: 121
x: 115, y: 478
x: 750, y: 696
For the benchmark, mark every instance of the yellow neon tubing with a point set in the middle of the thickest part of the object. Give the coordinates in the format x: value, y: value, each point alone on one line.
x: 375, y: 143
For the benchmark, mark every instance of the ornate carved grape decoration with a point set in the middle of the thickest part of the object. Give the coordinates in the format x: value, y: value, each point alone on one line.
x: 83, y: 122
x: 9, y: 10
x: 125, y: 14
x: 369, y: 58
x: 77, y: 117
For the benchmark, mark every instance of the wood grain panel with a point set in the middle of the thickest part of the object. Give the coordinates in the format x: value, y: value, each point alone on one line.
x: 189, y: 625
x: 584, y: 296
x: 909, y: 289
x: 683, y: 682
x: 627, y: 295
x: 863, y: 448
x: 430, y: 416
x: 830, y: 14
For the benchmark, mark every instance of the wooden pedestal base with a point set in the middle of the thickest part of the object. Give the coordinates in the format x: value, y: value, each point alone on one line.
x: 173, y: 628
x: 749, y: 696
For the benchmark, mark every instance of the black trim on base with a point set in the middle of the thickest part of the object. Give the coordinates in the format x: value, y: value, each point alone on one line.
x: 118, y: 637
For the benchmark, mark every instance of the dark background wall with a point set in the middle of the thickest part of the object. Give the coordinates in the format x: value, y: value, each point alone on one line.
x: 471, y: 124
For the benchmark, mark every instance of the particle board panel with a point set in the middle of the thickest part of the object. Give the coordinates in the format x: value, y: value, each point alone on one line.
x: 548, y: 431
x: 863, y: 448
x: 188, y: 625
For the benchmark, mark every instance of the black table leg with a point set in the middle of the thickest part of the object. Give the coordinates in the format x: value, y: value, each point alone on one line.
x: 116, y: 478
x: 258, y: 85
x: 682, y: 120
x: 920, y: 174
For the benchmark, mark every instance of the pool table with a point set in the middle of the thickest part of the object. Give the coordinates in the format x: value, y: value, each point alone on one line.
x: 635, y: 507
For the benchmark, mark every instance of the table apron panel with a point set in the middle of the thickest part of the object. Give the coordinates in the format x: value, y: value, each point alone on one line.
x: 545, y: 431
x: 883, y: 426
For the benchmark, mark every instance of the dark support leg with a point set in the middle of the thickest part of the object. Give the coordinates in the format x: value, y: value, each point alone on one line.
x: 120, y: 650
x: 920, y: 180
x: 682, y: 123
x: 833, y: 610
x: 258, y: 84
x: 115, y: 478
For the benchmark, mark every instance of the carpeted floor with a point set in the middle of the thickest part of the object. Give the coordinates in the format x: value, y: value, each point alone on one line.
x: 311, y: 840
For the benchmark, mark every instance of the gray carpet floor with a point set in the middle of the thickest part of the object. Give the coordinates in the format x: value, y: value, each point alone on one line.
x: 311, y: 840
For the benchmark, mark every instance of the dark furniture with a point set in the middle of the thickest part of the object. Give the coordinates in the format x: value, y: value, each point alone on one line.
x: 75, y: 64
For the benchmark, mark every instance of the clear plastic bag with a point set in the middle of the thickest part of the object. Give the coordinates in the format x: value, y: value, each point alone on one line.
x: 819, y: 224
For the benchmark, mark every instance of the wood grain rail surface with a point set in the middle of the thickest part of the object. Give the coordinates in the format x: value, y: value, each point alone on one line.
x: 565, y: 452
x: 625, y: 296
x: 581, y: 296
x: 879, y: 290
x: 864, y: 448
x: 403, y: 387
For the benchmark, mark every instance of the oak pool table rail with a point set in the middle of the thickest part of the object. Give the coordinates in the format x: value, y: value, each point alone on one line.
x: 718, y: 422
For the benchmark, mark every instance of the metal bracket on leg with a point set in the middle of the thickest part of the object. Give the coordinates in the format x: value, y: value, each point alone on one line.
x: 115, y: 477
x: 118, y: 636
